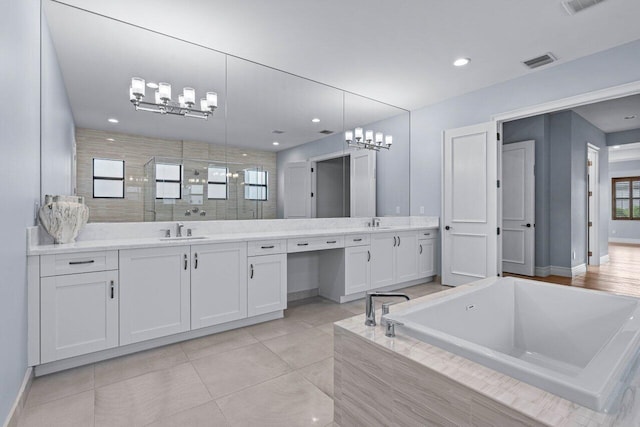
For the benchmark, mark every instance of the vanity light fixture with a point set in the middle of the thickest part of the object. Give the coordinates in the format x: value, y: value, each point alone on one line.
x: 368, y: 139
x: 163, y: 104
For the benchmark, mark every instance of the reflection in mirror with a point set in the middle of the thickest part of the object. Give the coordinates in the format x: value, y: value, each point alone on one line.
x: 268, y: 123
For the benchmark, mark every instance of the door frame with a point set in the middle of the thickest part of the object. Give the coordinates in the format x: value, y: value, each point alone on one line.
x: 591, y: 97
x: 594, y: 259
x: 314, y: 184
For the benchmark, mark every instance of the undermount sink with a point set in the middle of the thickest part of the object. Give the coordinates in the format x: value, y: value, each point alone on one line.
x: 168, y: 239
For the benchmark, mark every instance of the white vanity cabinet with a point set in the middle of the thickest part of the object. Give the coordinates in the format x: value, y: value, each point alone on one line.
x: 218, y: 283
x: 406, y: 256
x: 154, y: 293
x: 267, y: 283
x: 357, y: 269
x: 427, y: 240
x: 79, y: 314
x: 394, y: 258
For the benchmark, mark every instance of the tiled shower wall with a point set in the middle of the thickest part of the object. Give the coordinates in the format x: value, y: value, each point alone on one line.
x: 136, y: 151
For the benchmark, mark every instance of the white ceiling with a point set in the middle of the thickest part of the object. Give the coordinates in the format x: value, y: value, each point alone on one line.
x: 399, y: 52
x: 609, y: 116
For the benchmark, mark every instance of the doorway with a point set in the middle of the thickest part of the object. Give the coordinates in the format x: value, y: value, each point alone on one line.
x: 332, y: 182
x: 593, y: 202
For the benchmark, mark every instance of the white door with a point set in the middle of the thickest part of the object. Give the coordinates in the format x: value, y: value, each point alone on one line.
x: 297, y: 190
x: 154, y: 293
x: 267, y: 286
x: 518, y: 208
x: 363, y: 183
x: 593, y: 194
x: 469, y: 208
x: 79, y: 314
x: 383, y: 247
x: 406, y: 256
x: 426, y: 256
x: 357, y: 268
x: 218, y: 283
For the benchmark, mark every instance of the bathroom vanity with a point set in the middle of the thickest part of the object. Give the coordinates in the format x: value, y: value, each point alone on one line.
x: 123, y: 288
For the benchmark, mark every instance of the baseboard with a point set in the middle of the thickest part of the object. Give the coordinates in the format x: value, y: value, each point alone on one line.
x: 543, y: 271
x: 298, y: 295
x: 554, y: 270
x: 624, y: 240
x: 604, y: 259
x: 16, y: 410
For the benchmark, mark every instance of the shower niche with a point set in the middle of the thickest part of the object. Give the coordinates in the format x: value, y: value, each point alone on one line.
x: 201, y: 190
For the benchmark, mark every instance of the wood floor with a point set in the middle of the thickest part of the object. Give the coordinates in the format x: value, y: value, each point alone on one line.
x: 621, y: 275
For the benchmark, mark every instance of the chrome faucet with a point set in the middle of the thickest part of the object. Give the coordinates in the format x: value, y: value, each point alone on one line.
x: 179, y: 229
x: 375, y: 222
x: 370, y: 310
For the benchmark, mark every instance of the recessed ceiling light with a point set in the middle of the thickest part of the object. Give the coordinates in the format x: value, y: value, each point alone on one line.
x: 616, y: 146
x: 276, y: 143
x: 112, y: 120
x: 244, y: 154
x: 315, y: 120
x: 461, y: 62
x: 110, y: 139
x: 630, y: 117
x: 152, y: 85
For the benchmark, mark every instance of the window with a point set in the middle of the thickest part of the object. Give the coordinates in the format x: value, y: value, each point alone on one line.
x: 108, y: 179
x: 168, y: 181
x: 217, y: 180
x: 626, y: 198
x: 255, y: 185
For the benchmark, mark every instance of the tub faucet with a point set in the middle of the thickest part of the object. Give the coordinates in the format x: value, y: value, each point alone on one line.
x: 370, y: 310
x: 179, y: 229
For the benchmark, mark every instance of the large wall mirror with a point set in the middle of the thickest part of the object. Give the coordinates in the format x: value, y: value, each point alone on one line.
x: 275, y: 146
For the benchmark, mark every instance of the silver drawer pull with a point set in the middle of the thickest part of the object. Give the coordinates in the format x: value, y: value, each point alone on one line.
x: 427, y: 234
x: 357, y: 240
x: 267, y: 247
x: 303, y: 244
x: 331, y: 241
x: 81, y: 262
x: 251, y: 271
x: 112, y: 290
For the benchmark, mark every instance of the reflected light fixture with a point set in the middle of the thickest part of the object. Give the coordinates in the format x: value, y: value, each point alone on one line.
x: 315, y: 120
x: 112, y: 120
x: 163, y: 104
x: 461, y: 62
x: 369, y: 139
x: 276, y: 143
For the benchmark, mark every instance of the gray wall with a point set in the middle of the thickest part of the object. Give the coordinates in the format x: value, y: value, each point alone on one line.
x: 620, y: 229
x: 602, y: 70
x: 58, y: 128
x: 392, y: 166
x: 623, y: 137
x: 19, y: 181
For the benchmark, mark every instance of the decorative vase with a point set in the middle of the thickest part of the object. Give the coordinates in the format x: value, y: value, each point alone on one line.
x: 63, y: 217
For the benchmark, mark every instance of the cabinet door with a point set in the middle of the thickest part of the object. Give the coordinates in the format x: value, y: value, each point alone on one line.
x: 218, y: 283
x: 426, y: 254
x: 79, y: 314
x: 267, y: 286
x: 406, y: 256
x: 154, y: 293
x: 383, y: 247
x: 357, y: 269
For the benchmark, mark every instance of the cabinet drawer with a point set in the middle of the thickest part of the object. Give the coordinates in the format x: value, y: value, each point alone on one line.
x: 267, y: 247
x: 315, y: 244
x: 427, y: 234
x: 85, y: 262
x: 356, y: 240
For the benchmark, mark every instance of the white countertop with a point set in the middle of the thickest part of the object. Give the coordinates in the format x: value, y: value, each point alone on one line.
x: 149, y: 242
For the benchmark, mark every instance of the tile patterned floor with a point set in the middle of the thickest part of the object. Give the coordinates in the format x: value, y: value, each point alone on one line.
x: 278, y: 373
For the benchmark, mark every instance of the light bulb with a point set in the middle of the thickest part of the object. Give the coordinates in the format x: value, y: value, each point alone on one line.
x: 212, y: 100
x: 388, y: 140
x: 137, y: 86
x: 165, y: 91
x: 348, y: 136
x: 189, y: 95
x: 358, y: 134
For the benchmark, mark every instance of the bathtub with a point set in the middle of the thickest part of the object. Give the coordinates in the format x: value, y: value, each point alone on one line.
x: 575, y: 343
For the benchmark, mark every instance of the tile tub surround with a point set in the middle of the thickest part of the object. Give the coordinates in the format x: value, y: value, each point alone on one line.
x: 98, y: 236
x: 279, y: 381
x: 423, y: 384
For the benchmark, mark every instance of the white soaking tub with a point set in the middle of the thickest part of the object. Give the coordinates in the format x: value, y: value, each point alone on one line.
x: 575, y: 343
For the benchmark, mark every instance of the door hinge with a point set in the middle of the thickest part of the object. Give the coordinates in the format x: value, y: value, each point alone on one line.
x: 590, y: 253
x: 589, y: 163
x: 311, y: 194
x: 498, y: 231
x: 311, y: 170
x: 590, y: 193
x: 498, y: 183
x: 590, y: 224
x: 498, y: 136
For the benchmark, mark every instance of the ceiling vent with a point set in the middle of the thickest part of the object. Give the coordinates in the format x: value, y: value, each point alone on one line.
x: 326, y: 132
x: 278, y: 131
x: 574, y: 6
x: 539, y: 61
